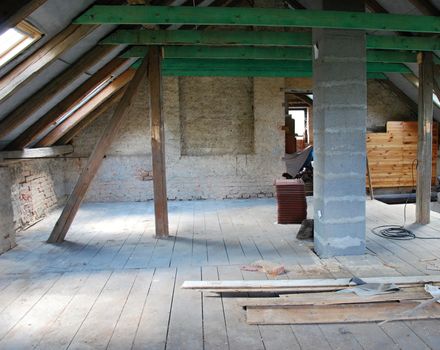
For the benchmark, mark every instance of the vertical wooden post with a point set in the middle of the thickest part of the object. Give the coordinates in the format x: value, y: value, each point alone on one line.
x: 424, y: 145
x: 63, y: 224
x: 157, y: 142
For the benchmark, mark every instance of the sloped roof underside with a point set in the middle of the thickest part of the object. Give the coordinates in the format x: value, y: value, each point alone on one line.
x: 55, y: 15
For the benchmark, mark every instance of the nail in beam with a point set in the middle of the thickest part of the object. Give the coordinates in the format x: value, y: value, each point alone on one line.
x: 424, y: 145
x: 63, y: 224
x: 157, y: 141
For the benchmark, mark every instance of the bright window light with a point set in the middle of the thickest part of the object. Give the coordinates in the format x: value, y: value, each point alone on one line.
x: 17, y: 39
x: 299, y: 115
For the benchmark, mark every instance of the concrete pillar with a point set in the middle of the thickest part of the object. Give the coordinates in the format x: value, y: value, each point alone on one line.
x: 7, y: 233
x: 339, y: 126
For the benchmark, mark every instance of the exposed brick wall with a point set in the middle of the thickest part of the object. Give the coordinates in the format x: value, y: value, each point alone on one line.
x: 191, y: 177
x: 37, y: 186
x: 7, y: 232
x: 203, y: 176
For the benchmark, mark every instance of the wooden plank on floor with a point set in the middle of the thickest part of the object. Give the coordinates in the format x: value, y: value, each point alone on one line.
x: 185, y: 330
x: 214, y: 324
x: 241, y: 335
x: 59, y: 334
x: 347, y: 313
x: 45, y: 311
x: 153, y: 326
x: 15, y: 311
x: 125, y: 330
x: 98, y: 326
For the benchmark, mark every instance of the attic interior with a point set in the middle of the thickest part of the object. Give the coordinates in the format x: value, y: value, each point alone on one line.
x: 219, y: 174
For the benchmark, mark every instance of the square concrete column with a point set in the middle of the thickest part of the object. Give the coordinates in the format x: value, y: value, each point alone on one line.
x: 339, y: 126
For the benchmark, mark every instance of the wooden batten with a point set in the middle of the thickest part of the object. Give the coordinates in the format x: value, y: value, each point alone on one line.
x: 90, y: 118
x: 157, y: 142
x: 47, y: 93
x: 60, y: 130
x: 32, y: 133
x: 71, y: 208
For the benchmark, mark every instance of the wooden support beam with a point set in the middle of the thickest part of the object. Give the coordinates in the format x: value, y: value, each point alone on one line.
x: 63, y: 224
x: 426, y: 7
x: 260, y: 38
x: 27, y: 69
x: 157, y: 142
x: 33, y: 153
x: 263, y: 53
x: 61, y: 129
x: 424, y: 146
x: 13, y: 12
x: 258, y: 17
x: 31, y: 134
x: 90, y: 118
x: 375, y: 7
x: 47, y: 93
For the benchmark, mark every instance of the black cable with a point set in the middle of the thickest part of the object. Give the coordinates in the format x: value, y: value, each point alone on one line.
x: 397, y: 232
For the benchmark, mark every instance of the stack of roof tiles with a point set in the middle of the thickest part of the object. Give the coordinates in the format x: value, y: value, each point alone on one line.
x: 291, y: 200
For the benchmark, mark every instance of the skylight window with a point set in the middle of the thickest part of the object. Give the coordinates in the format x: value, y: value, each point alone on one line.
x: 17, y: 39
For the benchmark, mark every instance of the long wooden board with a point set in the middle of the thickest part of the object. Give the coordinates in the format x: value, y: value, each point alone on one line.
x: 295, y: 285
x: 332, y: 298
x: 347, y: 313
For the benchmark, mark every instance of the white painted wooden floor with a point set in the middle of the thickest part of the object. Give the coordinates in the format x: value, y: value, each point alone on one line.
x: 112, y: 285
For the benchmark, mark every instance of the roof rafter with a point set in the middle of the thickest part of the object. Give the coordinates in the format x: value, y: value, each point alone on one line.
x: 426, y: 7
x: 60, y: 130
x: 90, y: 117
x: 28, y: 68
x: 43, y: 124
x: 49, y: 91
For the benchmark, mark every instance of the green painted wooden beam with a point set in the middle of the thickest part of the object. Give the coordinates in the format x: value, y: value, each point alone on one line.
x: 301, y: 66
x: 250, y: 73
x: 235, y: 16
x: 261, y: 38
x: 262, y: 53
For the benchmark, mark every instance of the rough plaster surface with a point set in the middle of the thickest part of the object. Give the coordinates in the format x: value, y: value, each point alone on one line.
x: 37, y: 186
x: 210, y: 123
x: 7, y: 232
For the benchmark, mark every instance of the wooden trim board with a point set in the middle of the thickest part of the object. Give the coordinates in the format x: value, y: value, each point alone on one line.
x: 295, y: 285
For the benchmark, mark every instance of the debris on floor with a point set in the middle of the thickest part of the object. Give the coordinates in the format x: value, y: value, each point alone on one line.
x: 269, y: 267
x: 318, y: 301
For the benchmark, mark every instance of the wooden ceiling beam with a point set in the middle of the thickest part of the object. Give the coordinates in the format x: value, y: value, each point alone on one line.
x: 90, y: 118
x: 13, y: 12
x: 61, y: 129
x: 258, y: 17
x: 48, y: 92
x: 32, y: 133
x: 27, y: 69
x: 426, y: 7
